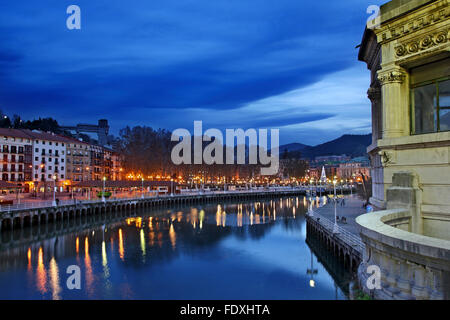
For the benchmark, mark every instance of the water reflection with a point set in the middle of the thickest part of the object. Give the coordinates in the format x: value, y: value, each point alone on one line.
x: 54, y: 279
x: 247, y: 250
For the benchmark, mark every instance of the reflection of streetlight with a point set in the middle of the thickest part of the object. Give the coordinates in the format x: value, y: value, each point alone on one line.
x: 312, y: 272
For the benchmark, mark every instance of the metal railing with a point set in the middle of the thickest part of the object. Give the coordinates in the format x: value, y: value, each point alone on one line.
x: 152, y: 195
x: 343, y: 234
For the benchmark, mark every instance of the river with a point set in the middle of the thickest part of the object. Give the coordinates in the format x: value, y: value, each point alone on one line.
x: 241, y: 250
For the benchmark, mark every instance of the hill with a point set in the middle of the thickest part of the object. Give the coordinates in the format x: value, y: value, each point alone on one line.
x: 351, y: 145
x: 292, y: 147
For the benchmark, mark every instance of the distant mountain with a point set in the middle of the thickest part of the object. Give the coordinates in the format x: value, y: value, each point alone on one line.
x: 351, y: 145
x: 292, y: 147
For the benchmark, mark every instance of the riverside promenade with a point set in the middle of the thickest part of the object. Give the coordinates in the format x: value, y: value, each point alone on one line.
x: 353, y: 208
x: 342, y: 240
x: 28, y: 214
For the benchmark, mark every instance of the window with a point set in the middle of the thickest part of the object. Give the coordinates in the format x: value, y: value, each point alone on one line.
x: 431, y: 107
x: 444, y: 105
x: 430, y: 98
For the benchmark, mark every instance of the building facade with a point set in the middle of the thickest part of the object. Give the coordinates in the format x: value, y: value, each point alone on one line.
x: 49, y: 160
x: 78, y: 160
x: 15, y: 156
x: 354, y: 168
x: 407, y: 50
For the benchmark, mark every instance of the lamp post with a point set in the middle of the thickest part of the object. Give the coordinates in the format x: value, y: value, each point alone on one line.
x: 54, y: 191
x: 103, y: 191
x: 335, y: 228
x: 142, y: 188
x: 310, y: 190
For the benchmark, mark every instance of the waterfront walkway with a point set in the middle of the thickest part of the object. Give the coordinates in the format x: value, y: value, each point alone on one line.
x: 353, y: 208
x: 343, y: 239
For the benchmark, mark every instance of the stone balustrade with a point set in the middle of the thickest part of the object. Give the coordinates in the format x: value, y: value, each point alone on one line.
x: 412, y: 266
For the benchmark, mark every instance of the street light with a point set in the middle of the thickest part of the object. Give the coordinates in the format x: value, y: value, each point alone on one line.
x: 335, y: 228
x: 142, y: 188
x: 54, y: 191
x: 103, y: 191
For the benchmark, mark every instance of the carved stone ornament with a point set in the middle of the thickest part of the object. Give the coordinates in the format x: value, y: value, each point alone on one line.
x: 391, y: 77
x: 422, y: 43
x: 374, y: 93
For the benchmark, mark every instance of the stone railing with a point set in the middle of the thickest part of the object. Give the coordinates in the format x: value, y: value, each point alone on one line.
x: 412, y: 266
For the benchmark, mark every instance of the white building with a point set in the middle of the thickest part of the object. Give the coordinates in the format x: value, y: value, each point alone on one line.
x: 49, y: 159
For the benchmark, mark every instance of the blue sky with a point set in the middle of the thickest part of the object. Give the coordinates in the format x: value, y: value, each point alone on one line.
x: 281, y: 64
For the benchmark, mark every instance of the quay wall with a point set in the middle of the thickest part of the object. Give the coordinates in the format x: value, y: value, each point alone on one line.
x: 14, y: 219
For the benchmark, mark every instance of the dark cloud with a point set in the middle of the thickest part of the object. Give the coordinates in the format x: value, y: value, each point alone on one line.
x: 170, y: 55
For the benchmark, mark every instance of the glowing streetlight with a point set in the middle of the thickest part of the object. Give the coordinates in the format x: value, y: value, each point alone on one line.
x: 54, y: 191
x: 335, y: 228
x: 142, y: 188
x: 103, y: 191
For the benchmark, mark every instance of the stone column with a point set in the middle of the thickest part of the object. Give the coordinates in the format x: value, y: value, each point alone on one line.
x: 395, y: 101
x: 374, y: 94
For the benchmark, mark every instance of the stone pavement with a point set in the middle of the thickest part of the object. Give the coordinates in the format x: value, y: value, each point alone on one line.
x: 352, y: 209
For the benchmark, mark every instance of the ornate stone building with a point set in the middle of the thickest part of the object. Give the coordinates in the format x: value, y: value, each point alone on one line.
x: 407, y: 50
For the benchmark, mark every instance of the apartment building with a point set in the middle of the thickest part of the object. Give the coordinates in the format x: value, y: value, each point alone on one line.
x: 15, y: 155
x: 78, y: 160
x: 117, y: 170
x: 40, y: 160
x: 49, y: 159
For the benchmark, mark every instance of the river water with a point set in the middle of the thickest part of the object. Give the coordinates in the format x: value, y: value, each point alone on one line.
x: 243, y: 250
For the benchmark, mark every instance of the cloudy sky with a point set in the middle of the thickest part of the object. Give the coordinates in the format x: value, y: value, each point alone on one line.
x: 287, y: 64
